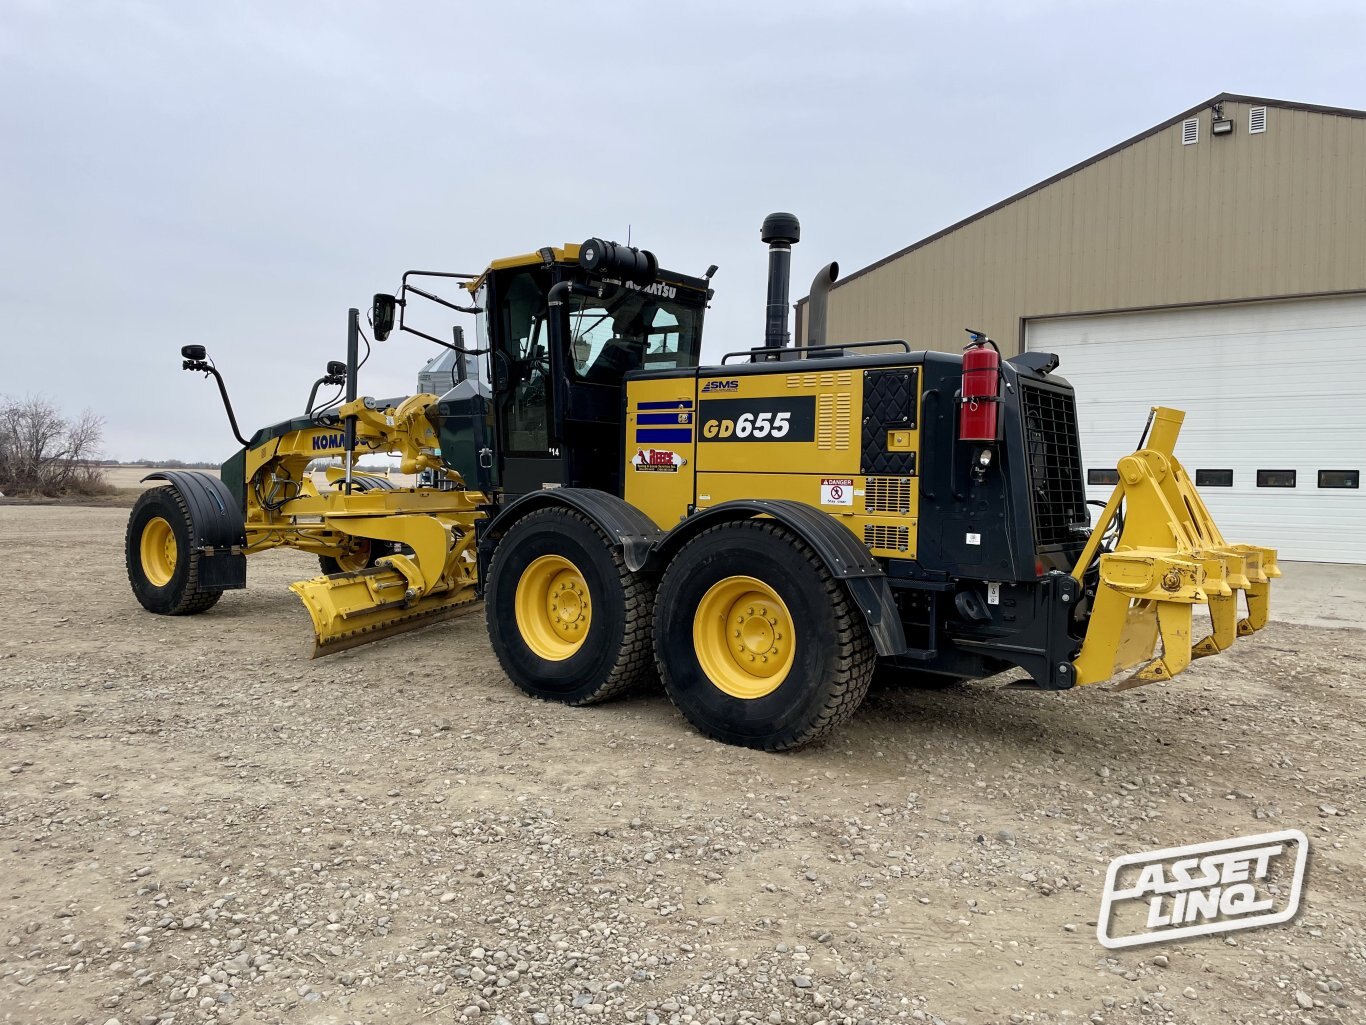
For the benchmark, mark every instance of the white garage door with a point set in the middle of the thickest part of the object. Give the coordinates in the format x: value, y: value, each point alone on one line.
x: 1275, y: 401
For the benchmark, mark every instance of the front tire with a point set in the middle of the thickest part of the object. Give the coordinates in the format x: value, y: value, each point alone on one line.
x: 567, y: 620
x: 162, y: 557
x: 757, y: 643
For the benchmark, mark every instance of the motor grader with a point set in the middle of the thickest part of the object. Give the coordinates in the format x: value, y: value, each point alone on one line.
x: 761, y: 533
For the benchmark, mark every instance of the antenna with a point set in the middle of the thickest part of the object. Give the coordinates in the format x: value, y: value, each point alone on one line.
x: 628, y: 236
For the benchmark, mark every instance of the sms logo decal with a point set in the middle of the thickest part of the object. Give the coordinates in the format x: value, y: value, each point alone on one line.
x: 715, y: 386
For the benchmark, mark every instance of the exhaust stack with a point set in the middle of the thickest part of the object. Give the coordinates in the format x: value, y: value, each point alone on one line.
x: 816, y: 303
x: 781, y: 231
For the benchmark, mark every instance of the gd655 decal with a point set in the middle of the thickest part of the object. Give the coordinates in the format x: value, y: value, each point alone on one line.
x: 778, y: 419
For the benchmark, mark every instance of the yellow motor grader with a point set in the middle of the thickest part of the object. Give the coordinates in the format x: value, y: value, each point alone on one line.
x: 760, y: 533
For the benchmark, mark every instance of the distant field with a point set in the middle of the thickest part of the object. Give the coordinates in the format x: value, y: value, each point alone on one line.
x: 131, y: 476
x: 127, y: 483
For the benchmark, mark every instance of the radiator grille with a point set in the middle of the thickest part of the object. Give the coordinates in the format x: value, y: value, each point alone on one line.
x: 1057, y: 497
x: 887, y: 537
x: 887, y: 495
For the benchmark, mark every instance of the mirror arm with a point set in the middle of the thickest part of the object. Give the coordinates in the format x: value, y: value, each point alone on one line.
x: 208, y: 368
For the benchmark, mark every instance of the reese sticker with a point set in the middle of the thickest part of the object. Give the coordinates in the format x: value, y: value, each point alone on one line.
x: 837, y: 491
x: 658, y: 460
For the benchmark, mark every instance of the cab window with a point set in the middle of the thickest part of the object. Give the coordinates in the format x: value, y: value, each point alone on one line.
x: 630, y: 330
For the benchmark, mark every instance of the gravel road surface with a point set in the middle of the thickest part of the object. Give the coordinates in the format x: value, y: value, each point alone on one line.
x: 199, y: 824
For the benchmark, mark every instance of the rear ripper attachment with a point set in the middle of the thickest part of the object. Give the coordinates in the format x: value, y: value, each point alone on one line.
x: 1168, y: 557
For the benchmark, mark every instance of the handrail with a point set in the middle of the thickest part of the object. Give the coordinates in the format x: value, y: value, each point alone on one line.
x: 770, y: 353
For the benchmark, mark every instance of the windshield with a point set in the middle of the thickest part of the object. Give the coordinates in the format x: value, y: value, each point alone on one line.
x: 630, y: 329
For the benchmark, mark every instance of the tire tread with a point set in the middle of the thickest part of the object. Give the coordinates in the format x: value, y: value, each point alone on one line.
x: 193, y: 598
x: 635, y: 660
x: 855, y: 660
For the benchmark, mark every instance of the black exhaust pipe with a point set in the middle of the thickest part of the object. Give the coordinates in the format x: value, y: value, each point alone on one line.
x: 781, y: 231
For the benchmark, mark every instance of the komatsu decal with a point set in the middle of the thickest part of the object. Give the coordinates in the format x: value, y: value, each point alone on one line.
x: 328, y: 441
x: 658, y: 288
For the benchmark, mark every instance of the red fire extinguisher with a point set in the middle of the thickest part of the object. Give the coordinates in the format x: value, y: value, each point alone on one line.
x: 981, y: 399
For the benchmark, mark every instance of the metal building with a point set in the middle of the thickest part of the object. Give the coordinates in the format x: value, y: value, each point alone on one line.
x: 1215, y: 263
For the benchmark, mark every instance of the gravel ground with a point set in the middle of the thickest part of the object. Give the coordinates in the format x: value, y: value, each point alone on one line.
x: 199, y: 824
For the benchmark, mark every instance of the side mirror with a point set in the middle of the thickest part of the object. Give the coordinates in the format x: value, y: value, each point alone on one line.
x: 382, y: 315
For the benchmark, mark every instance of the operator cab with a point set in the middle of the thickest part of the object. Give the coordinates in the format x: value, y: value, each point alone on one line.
x: 561, y: 338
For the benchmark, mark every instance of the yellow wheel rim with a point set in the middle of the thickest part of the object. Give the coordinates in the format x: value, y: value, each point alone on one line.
x: 159, y: 552
x: 554, y: 611
x: 742, y: 634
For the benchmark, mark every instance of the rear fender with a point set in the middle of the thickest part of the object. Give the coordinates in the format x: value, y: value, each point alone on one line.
x: 629, y: 529
x: 220, y: 532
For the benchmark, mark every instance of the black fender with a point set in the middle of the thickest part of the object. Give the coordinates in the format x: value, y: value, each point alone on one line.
x: 843, y: 554
x: 625, y: 526
x: 220, y: 529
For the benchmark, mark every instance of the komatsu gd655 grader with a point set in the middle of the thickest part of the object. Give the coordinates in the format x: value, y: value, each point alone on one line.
x: 760, y: 533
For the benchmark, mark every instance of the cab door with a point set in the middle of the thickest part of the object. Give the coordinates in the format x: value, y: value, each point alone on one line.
x: 523, y: 381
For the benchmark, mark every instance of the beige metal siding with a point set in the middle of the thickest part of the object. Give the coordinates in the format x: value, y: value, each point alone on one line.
x: 1155, y: 223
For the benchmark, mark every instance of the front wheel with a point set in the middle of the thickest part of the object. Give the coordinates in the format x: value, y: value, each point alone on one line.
x: 757, y: 643
x: 162, y: 558
x: 567, y: 620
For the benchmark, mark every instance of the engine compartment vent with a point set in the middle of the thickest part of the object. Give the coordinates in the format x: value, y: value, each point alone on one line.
x: 886, y: 537
x: 887, y: 495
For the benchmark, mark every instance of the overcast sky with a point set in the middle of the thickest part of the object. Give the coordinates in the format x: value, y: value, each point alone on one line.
x: 238, y: 174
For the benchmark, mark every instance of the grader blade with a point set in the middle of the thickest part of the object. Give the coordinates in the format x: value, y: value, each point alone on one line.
x: 350, y: 609
x: 1169, y: 557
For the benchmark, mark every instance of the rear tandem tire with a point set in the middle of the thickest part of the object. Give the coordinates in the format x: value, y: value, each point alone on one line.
x: 757, y: 643
x: 162, y: 558
x: 567, y: 620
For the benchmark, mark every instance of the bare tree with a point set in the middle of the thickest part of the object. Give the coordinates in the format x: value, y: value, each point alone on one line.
x: 43, y: 451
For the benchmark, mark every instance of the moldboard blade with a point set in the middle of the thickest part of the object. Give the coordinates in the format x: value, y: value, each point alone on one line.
x: 342, y: 618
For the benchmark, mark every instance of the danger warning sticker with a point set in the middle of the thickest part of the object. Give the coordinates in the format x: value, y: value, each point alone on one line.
x: 837, y: 491
x: 660, y: 460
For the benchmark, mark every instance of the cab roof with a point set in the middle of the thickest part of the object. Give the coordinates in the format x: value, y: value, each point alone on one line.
x: 569, y: 253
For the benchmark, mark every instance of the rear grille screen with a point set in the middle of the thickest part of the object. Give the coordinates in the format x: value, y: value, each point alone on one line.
x: 886, y: 537
x: 1057, y: 497
x: 887, y: 495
